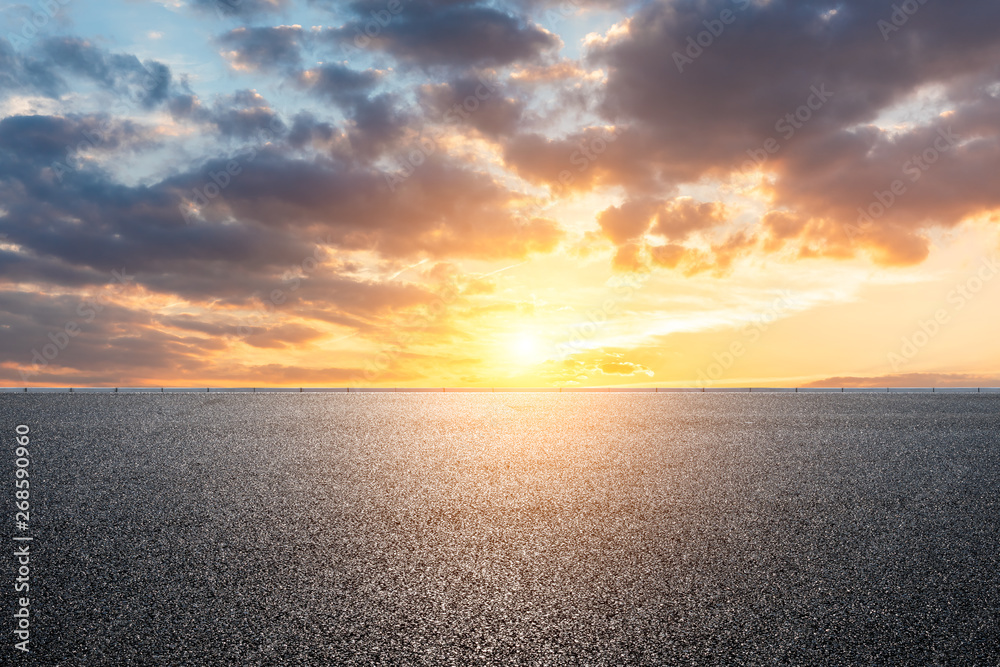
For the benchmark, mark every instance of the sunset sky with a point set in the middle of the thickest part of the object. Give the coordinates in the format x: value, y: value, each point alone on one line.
x: 525, y: 193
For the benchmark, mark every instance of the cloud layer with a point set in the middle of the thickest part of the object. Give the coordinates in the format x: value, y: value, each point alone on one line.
x: 330, y: 167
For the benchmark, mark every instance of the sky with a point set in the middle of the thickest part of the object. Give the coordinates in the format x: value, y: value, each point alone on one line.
x: 531, y: 193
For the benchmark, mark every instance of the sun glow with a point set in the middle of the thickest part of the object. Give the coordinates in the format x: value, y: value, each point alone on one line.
x: 526, y: 349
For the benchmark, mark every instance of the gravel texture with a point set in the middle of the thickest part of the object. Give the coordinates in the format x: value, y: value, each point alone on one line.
x: 510, y: 529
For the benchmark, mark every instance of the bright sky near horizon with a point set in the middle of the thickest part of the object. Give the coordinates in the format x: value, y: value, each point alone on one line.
x: 520, y: 193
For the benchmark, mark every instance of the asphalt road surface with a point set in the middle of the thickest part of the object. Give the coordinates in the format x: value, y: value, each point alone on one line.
x: 508, y: 529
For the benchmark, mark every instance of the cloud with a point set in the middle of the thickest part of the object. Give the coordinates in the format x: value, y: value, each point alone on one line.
x: 339, y: 83
x: 594, y: 365
x: 629, y: 224
x: 625, y: 368
x: 630, y: 258
x: 453, y: 34
x: 549, y: 72
x: 263, y: 48
x: 474, y: 102
x: 441, y: 209
x: 149, y: 81
x: 240, y: 8
x: 41, y: 140
x: 319, y: 181
x: 24, y: 74
x: 588, y: 159
x: 282, y: 336
x: 107, y: 339
x: 943, y: 380
x: 670, y: 255
x: 815, y: 92
x: 674, y: 220
x: 678, y: 219
x: 244, y: 114
x: 376, y: 122
x: 75, y: 227
x: 628, y: 221
x: 308, y: 130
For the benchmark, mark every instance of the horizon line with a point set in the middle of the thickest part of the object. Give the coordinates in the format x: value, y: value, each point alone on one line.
x: 358, y: 390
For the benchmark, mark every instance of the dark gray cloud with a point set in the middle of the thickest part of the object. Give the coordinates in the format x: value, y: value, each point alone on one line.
x: 147, y: 82
x: 49, y: 64
x: 79, y: 337
x: 244, y: 9
x: 264, y: 48
x: 244, y: 114
x: 376, y: 121
x: 441, y: 208
x: 339, y: 83
x: 810, y: 77
x: 452, y: 34
x: 474, y: 102
x: 86, y: 222
x: 228, y: 228
x: 45, y: 139
x: 23, y: 74
x: 307, y: 130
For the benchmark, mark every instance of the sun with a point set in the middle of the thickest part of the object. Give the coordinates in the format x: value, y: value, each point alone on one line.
x: 526, y: 348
